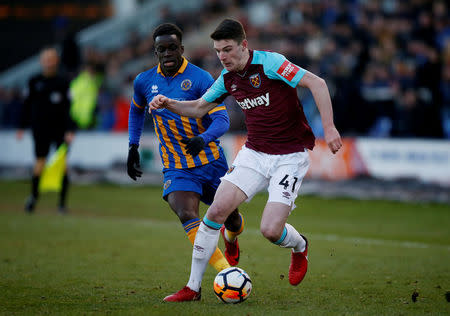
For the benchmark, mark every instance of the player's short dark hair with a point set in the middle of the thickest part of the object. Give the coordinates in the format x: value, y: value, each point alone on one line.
x: 229, y: 29
x: 168, y: 29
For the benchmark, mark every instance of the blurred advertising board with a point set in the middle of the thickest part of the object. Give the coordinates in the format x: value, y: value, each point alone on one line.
x: 425, y: 160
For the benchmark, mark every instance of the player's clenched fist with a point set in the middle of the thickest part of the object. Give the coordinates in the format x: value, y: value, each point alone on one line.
x: 333, y: 139
x: 158, y: 102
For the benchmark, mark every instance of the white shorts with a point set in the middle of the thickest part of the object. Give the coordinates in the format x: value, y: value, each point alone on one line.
x: 253, y: 171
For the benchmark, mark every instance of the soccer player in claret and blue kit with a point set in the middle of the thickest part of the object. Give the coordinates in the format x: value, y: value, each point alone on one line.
x: 274, y: 156
x: 192, y: 158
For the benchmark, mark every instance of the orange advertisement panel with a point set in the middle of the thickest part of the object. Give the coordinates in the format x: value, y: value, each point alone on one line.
x: 346, y: 164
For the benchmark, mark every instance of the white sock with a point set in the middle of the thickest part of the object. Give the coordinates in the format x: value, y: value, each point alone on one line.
x: 204, y: 245
x: 293, y: 239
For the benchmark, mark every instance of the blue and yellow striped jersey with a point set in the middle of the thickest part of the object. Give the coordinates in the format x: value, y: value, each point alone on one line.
x: 190, y: 83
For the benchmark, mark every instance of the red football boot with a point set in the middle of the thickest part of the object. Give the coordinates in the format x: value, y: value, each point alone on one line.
x: 184, y: 295
x: 231, y: 249
x: 299, y: 265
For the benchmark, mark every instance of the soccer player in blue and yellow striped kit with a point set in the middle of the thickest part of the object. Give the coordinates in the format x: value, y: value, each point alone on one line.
x: 193, y: 161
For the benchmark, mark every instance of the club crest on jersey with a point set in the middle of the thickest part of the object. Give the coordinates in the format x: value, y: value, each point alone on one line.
x: 186, y: 84
x: 167, y: 184
x: 255, y: 80
x: 154, y: 88
x: 230, y: 170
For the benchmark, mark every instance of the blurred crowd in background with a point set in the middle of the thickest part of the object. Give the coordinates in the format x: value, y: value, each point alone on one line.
x: 386, y: 62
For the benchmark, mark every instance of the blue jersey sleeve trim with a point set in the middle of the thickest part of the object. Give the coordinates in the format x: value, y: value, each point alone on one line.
x: 272, y: 62
x: 217, y: 91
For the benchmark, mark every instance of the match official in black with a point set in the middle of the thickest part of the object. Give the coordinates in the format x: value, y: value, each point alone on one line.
x: 47, y: 111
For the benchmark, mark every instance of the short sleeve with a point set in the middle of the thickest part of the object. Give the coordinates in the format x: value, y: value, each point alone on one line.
x: 276, y: 66
x: 217, y: 91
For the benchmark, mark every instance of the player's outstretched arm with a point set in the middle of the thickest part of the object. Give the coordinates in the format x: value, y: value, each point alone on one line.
x: 322, y: 98
x: 194, y: 108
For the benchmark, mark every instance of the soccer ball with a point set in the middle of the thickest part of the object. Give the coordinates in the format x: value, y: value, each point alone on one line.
x: 232, y: 285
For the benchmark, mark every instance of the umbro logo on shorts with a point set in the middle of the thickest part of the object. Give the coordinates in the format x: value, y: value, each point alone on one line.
x: 287, y: 195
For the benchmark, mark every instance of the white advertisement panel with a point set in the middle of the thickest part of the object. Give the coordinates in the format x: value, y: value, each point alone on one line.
x: 426, y: 160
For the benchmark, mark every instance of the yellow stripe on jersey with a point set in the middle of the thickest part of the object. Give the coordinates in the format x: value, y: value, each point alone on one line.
x: 219, y: 108
x: 212, y: 145
x: 189, y: 134
x: 139, y: 106
x: 169, y: 143
x: 187, y: 126
x: 174, y: 129
x: 165, y: 157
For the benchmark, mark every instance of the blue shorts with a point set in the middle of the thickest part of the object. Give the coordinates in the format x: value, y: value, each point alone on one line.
x: 203, y: 180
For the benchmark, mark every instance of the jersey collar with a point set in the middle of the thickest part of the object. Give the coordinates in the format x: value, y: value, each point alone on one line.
x: 180, y: 70
x: 249, y: 62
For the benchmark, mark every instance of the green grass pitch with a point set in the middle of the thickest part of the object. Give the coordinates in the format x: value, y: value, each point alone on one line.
x: 121, y: 250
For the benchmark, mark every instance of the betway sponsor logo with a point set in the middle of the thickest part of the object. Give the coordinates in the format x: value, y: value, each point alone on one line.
x: 248, y: 103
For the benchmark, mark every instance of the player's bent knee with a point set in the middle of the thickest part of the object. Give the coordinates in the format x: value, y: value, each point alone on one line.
x: 186, y: 215
x: 218, y: 212
x: 271, y: 233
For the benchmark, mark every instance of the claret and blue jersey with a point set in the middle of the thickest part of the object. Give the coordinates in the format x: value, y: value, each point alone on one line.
x: 189, y: 83
x: 266, y: 91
